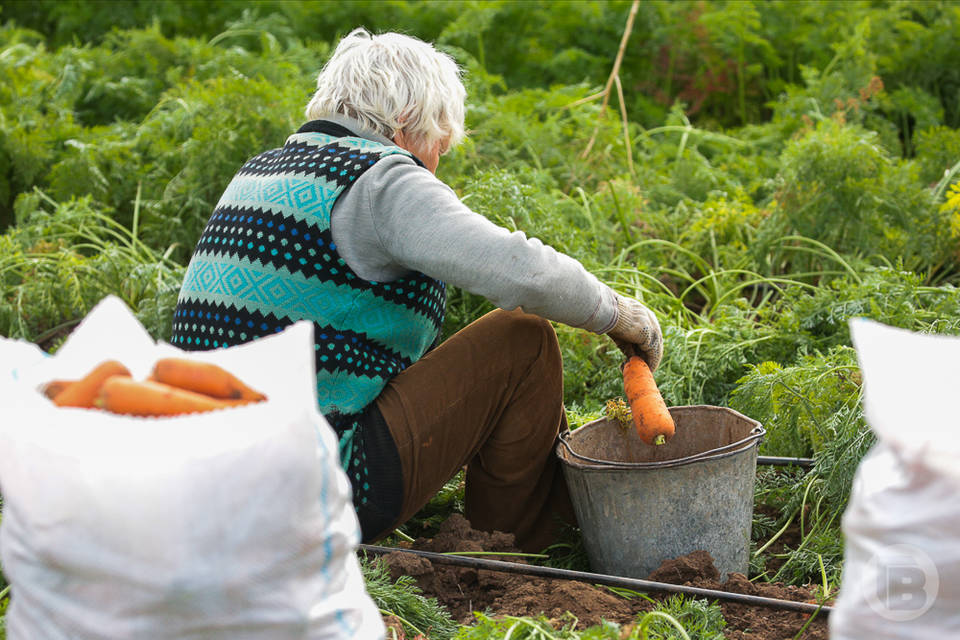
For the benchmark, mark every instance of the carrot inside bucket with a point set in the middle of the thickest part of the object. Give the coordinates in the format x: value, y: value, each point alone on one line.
x: 638, y: 505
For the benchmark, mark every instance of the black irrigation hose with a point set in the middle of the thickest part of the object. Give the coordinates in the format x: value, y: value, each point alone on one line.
x: 608, y: 581
x: 779, y: 461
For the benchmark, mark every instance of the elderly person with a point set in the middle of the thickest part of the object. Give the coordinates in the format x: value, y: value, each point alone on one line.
x: 346, y: 225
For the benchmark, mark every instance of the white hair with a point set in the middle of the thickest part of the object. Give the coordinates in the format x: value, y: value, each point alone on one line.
x: 392, y: 83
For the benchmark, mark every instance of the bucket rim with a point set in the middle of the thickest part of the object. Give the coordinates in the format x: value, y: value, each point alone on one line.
x: 581, y: 461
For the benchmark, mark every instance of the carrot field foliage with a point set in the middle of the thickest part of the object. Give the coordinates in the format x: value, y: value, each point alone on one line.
x: 775, y: 169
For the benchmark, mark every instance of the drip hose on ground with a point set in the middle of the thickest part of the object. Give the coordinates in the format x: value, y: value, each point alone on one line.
x: 780, y: 461
x: 634, y: 584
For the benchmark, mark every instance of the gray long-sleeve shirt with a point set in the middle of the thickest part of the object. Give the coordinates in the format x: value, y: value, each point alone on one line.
x: 399, y: 217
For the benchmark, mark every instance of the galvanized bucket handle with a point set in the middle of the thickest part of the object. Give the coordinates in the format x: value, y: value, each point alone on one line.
x: 756, y: 434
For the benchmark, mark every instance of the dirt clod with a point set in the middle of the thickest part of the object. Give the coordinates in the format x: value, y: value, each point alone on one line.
x: 694, y: 567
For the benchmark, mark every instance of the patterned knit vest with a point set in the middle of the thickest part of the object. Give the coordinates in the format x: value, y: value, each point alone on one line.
x: 267, y: 259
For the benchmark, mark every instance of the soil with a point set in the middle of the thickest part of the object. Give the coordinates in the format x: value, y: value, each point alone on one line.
x: 464, y: 590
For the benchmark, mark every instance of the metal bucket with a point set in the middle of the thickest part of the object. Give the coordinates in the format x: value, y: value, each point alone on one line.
x: 638, y: 505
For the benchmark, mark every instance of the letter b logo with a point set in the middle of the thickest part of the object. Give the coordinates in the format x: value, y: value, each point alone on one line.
x: 902, y: 586
x: 906, y: 583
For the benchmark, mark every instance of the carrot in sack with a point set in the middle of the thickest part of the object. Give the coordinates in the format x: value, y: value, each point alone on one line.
x: 149, y: 398
x: 651, y: 418
x: 83, y: 392
x: 52, y: 388
x: 203, y: 377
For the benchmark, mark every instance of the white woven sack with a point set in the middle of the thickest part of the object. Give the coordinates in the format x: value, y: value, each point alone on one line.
x: 901, y: 574
x: 230, y: 524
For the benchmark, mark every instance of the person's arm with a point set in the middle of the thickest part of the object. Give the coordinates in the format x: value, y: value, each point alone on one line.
x: 399, y: 217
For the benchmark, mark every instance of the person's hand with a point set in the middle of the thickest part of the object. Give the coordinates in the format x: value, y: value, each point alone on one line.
x: 637, y: 332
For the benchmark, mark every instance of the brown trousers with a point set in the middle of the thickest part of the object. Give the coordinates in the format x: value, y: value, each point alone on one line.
x: 490, y: 398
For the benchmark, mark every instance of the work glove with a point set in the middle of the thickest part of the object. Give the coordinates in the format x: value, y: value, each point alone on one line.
x: 637, y: 332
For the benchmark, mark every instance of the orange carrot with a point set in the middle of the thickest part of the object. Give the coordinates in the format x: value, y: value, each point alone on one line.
x: 147, y: 398
x: 82, y: 392
x: 203, y: 377
x: 52, y: 388
x: 650, y: 415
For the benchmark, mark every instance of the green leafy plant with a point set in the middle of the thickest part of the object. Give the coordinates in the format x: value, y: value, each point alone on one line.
x: 684, y: 617
x: 402, y: 598
x: 64, y: 258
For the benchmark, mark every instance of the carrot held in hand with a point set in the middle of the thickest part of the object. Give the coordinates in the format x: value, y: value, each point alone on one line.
x: 203, y: 377
x: 148, y: 398
x: 82, y: 392
x: 650, y: 415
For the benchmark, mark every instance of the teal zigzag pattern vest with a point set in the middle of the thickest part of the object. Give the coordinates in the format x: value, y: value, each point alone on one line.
x: 267, y: 259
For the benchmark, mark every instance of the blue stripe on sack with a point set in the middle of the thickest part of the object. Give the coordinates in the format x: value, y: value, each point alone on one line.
x: 329, y: 479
